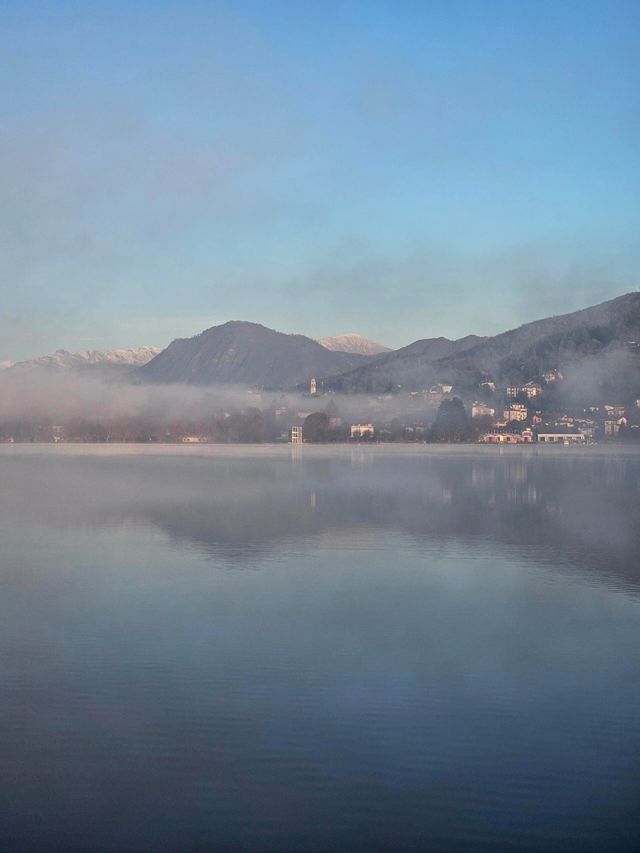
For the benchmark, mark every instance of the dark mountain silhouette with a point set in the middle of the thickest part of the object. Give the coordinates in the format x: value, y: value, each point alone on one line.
x: 401, y: 368
x: 247, y: 354
x: 602, y: 341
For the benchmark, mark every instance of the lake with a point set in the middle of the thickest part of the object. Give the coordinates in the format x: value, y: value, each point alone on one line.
x: 313, y: 648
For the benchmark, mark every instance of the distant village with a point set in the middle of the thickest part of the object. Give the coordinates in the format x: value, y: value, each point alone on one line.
x: 516, y: 414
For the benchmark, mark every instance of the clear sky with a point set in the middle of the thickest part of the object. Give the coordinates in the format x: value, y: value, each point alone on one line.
x: 402, y: 169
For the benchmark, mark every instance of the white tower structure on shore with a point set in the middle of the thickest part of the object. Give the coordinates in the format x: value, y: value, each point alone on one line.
x: 313, y: 388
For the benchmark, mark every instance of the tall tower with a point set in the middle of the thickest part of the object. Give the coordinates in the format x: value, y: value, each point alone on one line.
x: 313, y: 389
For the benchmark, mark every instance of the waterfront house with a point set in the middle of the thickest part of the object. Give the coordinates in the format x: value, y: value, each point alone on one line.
x: 561, y: 437
x: 362, y: 430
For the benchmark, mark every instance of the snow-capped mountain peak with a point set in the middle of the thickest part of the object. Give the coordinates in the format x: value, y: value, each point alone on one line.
x: 62, y: 359
x: 352, y: 342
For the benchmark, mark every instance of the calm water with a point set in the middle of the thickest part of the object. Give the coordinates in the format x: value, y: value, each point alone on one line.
x: 255, y: 649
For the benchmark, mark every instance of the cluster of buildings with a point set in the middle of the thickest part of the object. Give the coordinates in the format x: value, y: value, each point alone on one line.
x: 523, y: 422
x: 515, y: 414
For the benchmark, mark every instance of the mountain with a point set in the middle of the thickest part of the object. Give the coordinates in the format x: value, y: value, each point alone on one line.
x: 352, y: 342
x: 403, y: 368
x: 246, y: 354
x: 595, y: 336
x: 600, y: 342
x: 117, y: 360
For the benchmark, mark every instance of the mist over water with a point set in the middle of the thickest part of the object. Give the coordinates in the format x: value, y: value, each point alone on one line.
x: 308, y: 648
x: 60, y: 397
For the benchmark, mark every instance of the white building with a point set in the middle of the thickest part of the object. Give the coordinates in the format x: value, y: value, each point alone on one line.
x: 497, y: 437
x: 552, y: 376
x: 361, y: 430
x: 612, y: 425
x: 516, y: 412
x: 530, y: 389
x: 562, y: 437
x: 482, y: 410
x: 296, y: 435
x: 614, y: 411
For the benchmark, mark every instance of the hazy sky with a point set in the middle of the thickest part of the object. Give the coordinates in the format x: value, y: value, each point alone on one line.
x: 400, y: 169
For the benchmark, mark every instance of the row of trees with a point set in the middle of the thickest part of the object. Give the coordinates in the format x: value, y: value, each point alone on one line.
x: 452, y: 424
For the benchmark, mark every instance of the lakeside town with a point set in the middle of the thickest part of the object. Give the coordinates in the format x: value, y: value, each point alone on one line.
x: 517, y: 414
x: 536, y: 411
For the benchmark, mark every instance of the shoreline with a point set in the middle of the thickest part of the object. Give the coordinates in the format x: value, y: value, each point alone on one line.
x: 297, y: 450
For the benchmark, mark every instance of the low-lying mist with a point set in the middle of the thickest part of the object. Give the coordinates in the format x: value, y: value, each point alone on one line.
x: 61, y: 397
x: 99, y: 408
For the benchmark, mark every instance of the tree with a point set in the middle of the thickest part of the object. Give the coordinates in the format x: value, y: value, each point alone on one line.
x: 244, y: 427
x: 451, y: 423
x: 316, y: 427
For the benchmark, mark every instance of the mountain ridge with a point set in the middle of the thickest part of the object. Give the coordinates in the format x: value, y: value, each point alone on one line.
x: 606, y: 337
x: 518, y: 354
x: 61, y: 359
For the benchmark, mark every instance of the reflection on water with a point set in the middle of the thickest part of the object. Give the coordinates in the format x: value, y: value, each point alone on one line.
x: 300, y: 648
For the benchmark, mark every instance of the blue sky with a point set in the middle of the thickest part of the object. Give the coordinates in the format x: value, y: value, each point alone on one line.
x: 401, y: 169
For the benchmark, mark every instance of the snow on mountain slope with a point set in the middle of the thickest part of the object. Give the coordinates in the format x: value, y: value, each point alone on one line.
x: 352, y: 342
x: 62, y: 359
